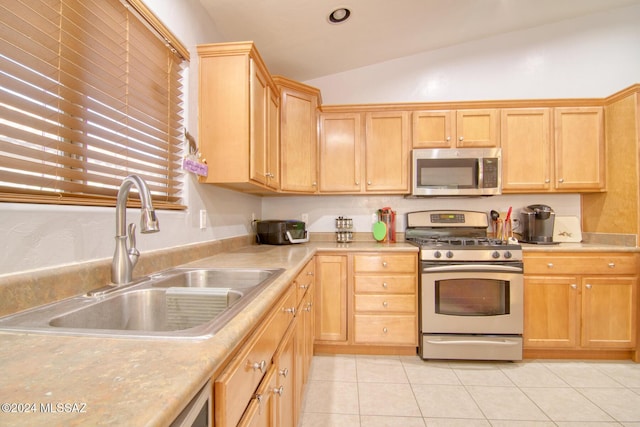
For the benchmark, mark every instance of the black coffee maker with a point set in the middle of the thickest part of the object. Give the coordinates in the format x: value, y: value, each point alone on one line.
x: 537, y: 224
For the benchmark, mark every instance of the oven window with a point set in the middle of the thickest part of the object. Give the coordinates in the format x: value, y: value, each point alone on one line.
x: 448, y: 173
x: 472, y: 297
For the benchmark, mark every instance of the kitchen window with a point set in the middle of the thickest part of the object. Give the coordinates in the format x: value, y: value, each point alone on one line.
x: 91, y: 91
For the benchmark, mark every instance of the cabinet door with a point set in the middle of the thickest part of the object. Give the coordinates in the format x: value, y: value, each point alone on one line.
x: 579, y: 149
x: 433, y: 129
x: 285, y: 393
x: 273, y: 140
x: 478, y: 128
x: 526, y: 149
x: 550, y: 312
x: 259, y: 136
x: 299, y: 141
x: 609, y: 312
x: 331, y: 298
x: 261, y: 411
x: 387, y: 152
x: 340, y: 152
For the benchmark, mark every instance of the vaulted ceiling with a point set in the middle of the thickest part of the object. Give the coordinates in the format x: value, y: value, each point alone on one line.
x: 296, y: 40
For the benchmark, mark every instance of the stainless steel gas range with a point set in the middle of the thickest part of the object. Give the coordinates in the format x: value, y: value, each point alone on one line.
x: 471, y: 287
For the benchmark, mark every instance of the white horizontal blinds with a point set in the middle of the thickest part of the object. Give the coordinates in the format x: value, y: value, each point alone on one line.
x: 88, y: 95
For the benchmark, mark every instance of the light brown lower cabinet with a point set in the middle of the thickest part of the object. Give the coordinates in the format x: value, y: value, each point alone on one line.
x: 584, y: 302
x: 264, y: 382
x: 367, y: 302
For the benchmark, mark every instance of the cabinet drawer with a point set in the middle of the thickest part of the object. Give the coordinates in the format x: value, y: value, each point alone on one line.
x: 386, y: 263
x: 386, y: 303
x: 380, y: 329
x: 304, y: 280
x: 385, y: 284
x: 593, y: 263
x: 237, y: 384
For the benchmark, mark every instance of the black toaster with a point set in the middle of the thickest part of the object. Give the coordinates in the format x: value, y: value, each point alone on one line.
x: 281, y: 232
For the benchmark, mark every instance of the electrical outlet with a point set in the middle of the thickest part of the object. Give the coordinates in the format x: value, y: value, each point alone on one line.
x: 203, y: 219
x: 304, y: 217
x: 374, y: 218
x: 253, y: 216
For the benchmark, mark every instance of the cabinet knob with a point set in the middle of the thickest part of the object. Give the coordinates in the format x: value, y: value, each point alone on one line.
x: 546, y: 181
x: 574, y: 286
x: 283, y: 372
x: 291, y: 310
x: 461, y: 138
x: 561, y: 180
x: 309, y: 273
x: 384, y: 263
x: 261, y: 365
x: 278, y: 390
x: 315, y: 184
x: 308, y: 308
x: 385, y: 330
x: 384, y: 285
x: 448, y: 138
x: 385, y: 304
x: 588, y: 286
x: 550, y: 265
x: 368, y: 182
x: 612, y: 265
x: 303, y: 286
x: 357, y: 182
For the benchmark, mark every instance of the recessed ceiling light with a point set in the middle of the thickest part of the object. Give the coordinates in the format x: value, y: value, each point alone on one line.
x: 339, y: 15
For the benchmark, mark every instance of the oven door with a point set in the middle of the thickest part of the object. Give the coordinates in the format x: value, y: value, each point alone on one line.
x: 471, y: 299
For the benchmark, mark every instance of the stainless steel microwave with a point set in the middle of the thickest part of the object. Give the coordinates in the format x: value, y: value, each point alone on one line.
x: 456, y: 172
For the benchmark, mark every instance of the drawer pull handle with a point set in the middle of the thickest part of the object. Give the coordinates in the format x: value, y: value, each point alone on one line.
x: 284, y: 372
x: 612, y: 265
x: 278, y: 390
x: 385, y: 330
x: 384, y: 285
x: 574, y: 286
x: 291, y: 310
x: 262, y: 366
x: 385, y: 304
x: 550, y: 265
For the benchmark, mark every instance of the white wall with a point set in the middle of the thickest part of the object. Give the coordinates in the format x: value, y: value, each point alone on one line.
x: 592, y: 56
x: 40, y: 236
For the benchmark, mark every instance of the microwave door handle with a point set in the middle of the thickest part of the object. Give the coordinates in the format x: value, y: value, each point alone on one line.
x: 472, y: 267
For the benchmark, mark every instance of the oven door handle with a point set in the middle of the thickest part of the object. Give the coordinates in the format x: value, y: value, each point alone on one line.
x: 504, y: 341
x: 472, y: 267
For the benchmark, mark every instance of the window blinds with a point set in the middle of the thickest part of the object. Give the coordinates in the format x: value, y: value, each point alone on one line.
x: 89, y: 95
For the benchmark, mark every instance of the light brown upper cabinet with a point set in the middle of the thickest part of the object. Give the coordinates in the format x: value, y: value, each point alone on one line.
x: 377, y: 162
x: 558, y: 150
x: 298, y: 136
x: 238, y: 117
x: 579, y: 148
x: 456, y: 128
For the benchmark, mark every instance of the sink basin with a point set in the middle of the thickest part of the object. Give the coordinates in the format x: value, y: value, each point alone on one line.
x: 178, y: 303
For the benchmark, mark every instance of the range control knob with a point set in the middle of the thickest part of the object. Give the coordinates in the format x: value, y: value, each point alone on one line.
x: 507, y: 254
x: 437, y: 254
x: 495, y: 254
x: 449, y: 254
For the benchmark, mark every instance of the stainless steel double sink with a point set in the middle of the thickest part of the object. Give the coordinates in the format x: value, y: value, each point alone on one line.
x: 180, y: 303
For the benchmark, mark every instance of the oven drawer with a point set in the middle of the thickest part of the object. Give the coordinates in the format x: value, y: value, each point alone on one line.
x: 385, y: 329
x: 386, y: 284
x: 386, y: 263
x: 386, y: 303
x: 570, y: 263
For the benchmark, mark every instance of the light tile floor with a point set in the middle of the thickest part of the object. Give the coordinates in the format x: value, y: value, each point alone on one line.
x: 377, y: 391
